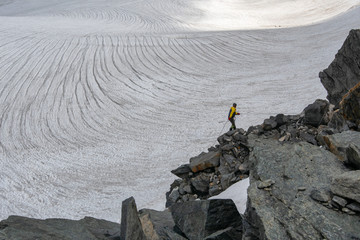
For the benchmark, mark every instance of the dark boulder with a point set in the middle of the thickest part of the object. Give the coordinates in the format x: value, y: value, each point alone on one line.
x: 316, y: 113
x: 344, y: 72
x: 199, y: 219
x: 200, y: 183
x: 182, y: 171
x: 204, y: 161
x: 269, y: 124
x: 131, y: 228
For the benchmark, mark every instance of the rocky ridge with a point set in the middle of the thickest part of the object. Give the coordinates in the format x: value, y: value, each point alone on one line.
x: 304, y: 173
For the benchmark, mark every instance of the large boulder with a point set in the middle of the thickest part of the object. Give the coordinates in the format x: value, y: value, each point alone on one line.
x: 347, y: 185
x: 339, y: 143
x: 286, y: 209
x: 131, y: 228
x: 344, y: 72
x: 316, y: 113
x: 350, y: 104
x: 16, y: 227
x: 199, y: 219
x: 204, y: 161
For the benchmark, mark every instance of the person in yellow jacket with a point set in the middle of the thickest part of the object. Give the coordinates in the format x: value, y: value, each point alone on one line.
x: 231, y: 116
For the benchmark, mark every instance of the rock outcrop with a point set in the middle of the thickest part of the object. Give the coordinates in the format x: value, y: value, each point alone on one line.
x: 300, y: 172
x: 18, y: 228
x: 344, y: 72
x: 210, y: 173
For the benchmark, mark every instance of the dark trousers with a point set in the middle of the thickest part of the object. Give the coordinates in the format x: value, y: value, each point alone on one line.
x: 233, y: 126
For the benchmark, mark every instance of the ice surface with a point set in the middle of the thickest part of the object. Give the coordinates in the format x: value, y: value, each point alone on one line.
x: 99, y: 100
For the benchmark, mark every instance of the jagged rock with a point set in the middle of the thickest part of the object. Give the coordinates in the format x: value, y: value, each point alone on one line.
x: 338, y: 122
x: 338, y: 143
x: 158, y: 225
x: 316, y: 113
x: 320, y: 195
x: 199, y: 219
x: 131, y: 228
x: 227, y: 180
x: 257, y: 130
x: 201, y: 183
x: 215, y: 190
x: 204, y: 161
x: 339, y: 200
x: 240, y: 138
x: 269, y: 124
x: 284, y: 212
x: 182, y: 171
x: 174, y: 195
x: 347, y: 185
x: 350, y: 104
x: 308, y: 138
x: 344, y: 72
x: 227, y: 147
x: 353, y: 155
x: 16, y: 227
x: 229, y: 233
x: 354, y: 206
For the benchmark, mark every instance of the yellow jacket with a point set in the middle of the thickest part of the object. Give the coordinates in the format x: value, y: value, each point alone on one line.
x: 232, y: 112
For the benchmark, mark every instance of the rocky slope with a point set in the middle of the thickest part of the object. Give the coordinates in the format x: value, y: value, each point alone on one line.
x: 304, y: 175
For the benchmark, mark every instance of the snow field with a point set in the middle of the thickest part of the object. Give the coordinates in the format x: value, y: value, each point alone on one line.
x: 99, y: 100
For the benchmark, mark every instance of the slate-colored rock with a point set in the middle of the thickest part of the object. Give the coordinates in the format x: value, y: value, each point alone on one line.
x: 340, y: 201
x: 320, y: 195
x: 174, y: 195
x: 347, y: 185
x: 308, y: 138
x: 269, y: 124
x: 354, y: 207
x: 316, y: 113
x: 204, y: 161
x: 339, y: 142
x: 131, y: 228
x: 344, y: 72
x: 338, y: 122
x: 201, y: 183
x: 284, y: 212
x: 17, y: 228
x: 240, y: 138
x: 199, y: 219
x: 350, y: 104
x: 182, y: 171
x: 158, y: 225
x: 353, y: 156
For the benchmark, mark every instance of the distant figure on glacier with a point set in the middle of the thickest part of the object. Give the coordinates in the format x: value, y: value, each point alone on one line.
x: 231, y: 116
